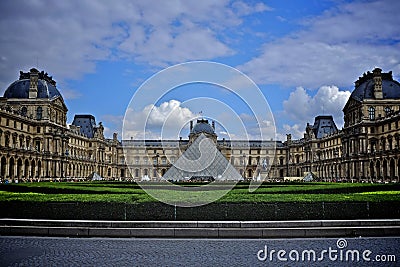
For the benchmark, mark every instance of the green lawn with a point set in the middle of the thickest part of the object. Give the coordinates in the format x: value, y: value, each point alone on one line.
x: 133, y: 193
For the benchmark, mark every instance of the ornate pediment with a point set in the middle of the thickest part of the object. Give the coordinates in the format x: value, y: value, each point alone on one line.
x: 58, y: 101
x: 351, y: 103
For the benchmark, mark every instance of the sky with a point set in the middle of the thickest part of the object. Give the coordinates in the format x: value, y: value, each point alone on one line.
x: 303, y: 56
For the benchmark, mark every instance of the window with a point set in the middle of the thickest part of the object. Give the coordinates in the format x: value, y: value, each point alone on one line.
x: 39, y: 112
x: 7, y: 140
x: 37, y: 146
x: 372, y: 129
x: 371, y: 111
x: 388, y: 110
x: 38, y: 129
x: 24, y: 111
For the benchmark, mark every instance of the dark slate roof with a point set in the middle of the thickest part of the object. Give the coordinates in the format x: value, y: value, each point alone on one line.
x: 323, y: 126
x: 20, y: 89
x: 365, y: 87
x: 202, y: 126
x: 87, y: 124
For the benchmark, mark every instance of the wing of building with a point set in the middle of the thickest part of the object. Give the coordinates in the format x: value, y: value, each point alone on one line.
x: 37, y: 144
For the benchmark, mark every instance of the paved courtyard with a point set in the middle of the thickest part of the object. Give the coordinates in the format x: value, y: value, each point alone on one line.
x: 45, y: 251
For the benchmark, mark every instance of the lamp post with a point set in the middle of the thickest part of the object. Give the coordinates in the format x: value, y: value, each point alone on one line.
x: 157, y: 156
x: 66, y: 157
x: 244, y: 166
x: 336, y: 155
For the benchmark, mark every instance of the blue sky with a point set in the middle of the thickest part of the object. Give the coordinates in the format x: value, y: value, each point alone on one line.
x: 303, y: 55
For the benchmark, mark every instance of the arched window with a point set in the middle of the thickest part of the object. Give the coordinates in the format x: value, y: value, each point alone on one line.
x: 24, y: 110
x: 371, y: 111
x: 39, y: 112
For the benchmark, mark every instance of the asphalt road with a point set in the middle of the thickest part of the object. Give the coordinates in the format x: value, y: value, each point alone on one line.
x: 46, y: 251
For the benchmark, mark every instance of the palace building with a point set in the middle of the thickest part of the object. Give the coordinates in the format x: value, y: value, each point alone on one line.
x: 37, y: 144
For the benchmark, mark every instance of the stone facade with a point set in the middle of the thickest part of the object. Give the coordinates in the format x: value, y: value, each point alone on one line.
x: 35, y: 141
x: 37, y: 144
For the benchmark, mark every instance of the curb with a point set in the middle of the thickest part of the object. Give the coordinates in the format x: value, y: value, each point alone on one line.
x: 201, y: 229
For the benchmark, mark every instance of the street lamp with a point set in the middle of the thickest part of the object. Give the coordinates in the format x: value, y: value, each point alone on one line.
x: 244, y: 166
x: 157, y: 156
x: 66, y: 156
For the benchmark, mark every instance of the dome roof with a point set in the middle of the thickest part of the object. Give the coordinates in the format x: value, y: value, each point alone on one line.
x: 46, y: 86
x: 202, y: 126
x: 365, y: 87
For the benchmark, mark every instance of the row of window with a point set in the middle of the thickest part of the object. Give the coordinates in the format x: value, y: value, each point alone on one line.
x: 163, y: 160
x: 371, y: 112
x: 19, y: 125
x: 385, y: 127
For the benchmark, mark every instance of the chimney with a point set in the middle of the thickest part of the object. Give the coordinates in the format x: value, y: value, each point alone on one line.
x: 377, y: 72
x: 115, y: 135
x: 33, y: 83
x: 213, y: 125
x: 289, y: 138
x: 191, y: 125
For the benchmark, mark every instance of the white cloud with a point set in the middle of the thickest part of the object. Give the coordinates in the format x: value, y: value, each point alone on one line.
x: 70, y: 93
x: 296, y: 130
x: 301, y: 108
x: 334, y: 48
x: 169, y: 118
x: 243, y: 8
x: 67, y: 38
x: 112, y: 124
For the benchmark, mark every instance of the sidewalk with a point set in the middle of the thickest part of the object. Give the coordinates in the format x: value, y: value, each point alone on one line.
x: 201, y: 229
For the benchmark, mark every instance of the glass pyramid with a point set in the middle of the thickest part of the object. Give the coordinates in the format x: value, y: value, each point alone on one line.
x: 202, y: 159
